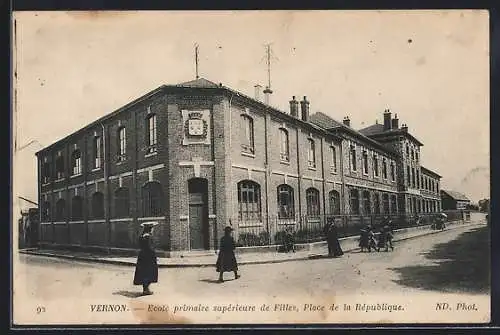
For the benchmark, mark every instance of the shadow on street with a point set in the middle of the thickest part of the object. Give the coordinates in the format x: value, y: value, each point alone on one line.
x: 462, y: 265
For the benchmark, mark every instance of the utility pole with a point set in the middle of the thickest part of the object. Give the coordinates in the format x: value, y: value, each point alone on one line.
x: 268, y: 91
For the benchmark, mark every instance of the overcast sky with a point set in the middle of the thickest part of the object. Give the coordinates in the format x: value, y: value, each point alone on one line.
x: 431, y: 68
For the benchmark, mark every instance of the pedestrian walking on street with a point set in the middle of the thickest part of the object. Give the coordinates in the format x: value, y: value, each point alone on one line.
x: 226, y: 260
x: 332, y: 239
x: 146, y: 269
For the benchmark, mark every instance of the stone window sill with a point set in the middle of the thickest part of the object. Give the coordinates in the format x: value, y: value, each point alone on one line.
x: 248, y: 154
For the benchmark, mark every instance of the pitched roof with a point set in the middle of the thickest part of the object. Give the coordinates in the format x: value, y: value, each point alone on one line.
x: 199, y: 83
x: 456, y: 195
x: 373, y: 129
x: 324, y: 121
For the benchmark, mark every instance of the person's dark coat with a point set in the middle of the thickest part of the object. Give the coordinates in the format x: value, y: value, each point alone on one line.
x: 146, y: 269
x: 226, y: 260
x: 332, y: 239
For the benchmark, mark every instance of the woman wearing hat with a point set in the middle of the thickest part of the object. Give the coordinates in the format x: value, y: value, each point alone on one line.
x: 146, y: 269
x: 226, y: 261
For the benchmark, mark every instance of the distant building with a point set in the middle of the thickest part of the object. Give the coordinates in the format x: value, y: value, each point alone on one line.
x: 453, y: 200
x: 198, y: 156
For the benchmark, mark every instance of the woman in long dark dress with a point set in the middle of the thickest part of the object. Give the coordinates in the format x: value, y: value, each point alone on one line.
x: 226, y: 260
x: 146, y: 269
x: 334, y: 248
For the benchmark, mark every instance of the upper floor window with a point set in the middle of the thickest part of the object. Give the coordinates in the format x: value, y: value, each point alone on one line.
x: 46, y: 171
x: 59, y: 165
x: 76, y: 162
x: 384, y: 168
x: 413, y: 177
x: 416, y: 156
x: 365, y: 162
x: 284, y: 146
x: 151, y: 136
x: 249, y: 205
x: 122, y: 143
x: 352, y: 157
x: 393, y: 172
x: 286, y: 205
x: 408, y: 176
x: 333, y: 157
x: 247, y: 142
x: 97, y: 152
x: 375, y: 165
x: 311, y: 154
x: 407, y: 151
x: 412, y: 154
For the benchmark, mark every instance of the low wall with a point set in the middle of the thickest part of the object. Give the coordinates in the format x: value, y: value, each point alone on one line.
x: 347, y: 243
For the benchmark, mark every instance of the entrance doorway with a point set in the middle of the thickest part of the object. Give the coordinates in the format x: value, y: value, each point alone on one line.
x: 198, y: 214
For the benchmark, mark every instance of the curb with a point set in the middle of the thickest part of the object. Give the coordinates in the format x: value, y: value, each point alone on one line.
x: 212, y: 264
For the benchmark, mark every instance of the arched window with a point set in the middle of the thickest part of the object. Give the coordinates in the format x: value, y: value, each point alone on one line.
x: 334, y: 197
x: 76, y: 208
x: 97, y: 206
x: 151, y: 138
x: 354, y: 201
x: 76, y: 162
x: 366, y: 203
x: 394, y: 204
x: 247, y: 139
x: 152, y: 199
x: 46, y: 211
x: 376, y: 203
x: 286, y: 207
x: 311, y: 153
x: 122, y: 142
x: 284, y: 147
x: 249, y: 206
x: 122, y: 205
x: 312, y: 200
x: 60, y: 210
x: 385, y: 203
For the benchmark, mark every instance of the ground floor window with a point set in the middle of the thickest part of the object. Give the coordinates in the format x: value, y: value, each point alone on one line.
x: 286, y: 208
x: 152, y: 199
x: 312, y: 199
x: 354, y: 201
x: 249, y: 203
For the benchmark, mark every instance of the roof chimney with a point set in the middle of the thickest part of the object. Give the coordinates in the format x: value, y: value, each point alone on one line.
x: 387, y: 120
x: 304, y: 106
x: 395, y: 122
x: 404, y: 127
x: 258, y: 90
x: 267, y: 95
x: 347, y: 121
x: 294, y: 107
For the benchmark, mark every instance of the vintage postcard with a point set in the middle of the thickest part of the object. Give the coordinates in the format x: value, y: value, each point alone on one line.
x: 251, y: 167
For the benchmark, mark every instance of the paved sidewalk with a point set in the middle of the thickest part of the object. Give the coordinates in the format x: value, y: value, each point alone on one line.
x: 320, y: 251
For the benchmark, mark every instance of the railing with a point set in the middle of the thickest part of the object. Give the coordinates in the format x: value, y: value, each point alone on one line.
x: 307, y: 229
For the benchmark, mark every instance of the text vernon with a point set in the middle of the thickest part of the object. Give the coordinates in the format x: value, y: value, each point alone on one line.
x: 108, y: 308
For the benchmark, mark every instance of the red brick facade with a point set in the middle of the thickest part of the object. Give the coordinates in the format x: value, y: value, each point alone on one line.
x: 203, y: 166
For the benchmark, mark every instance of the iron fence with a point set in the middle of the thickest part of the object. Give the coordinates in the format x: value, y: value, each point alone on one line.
x: 272, y: 230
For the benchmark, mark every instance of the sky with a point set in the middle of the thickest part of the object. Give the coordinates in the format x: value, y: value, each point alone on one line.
x: 429, y: 67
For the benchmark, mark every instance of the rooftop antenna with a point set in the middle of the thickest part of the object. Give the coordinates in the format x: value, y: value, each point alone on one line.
x: 268, y: 56
x: 196, y: 59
